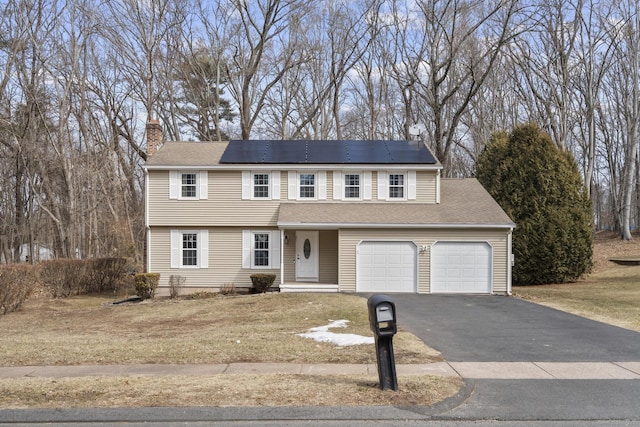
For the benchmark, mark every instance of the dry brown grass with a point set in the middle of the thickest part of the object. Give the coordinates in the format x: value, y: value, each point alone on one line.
x: 258, y: 328
x: 222, y: 390
x: 611, y: 294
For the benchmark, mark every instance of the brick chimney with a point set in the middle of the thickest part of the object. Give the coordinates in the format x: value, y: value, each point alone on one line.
x: 154, y: 136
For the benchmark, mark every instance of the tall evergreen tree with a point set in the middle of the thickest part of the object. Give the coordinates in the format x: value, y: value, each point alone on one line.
x: 540, y: 188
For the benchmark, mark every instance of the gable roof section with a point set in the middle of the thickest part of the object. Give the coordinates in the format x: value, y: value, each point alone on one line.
x: 327, y: 152
x: 464, y: 204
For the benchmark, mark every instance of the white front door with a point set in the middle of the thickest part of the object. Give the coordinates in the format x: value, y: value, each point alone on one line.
x: 307, y: 258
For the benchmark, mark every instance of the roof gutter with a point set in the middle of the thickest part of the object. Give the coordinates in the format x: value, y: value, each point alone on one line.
x: 298, y: 166
x: 335, y: 226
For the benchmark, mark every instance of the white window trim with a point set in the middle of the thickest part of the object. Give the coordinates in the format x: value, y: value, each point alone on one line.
x: 175, y: 185
x: 248, y: 185
x: 248, y: 249
x: 339, y: 185
x: 410, y: 185
x: 202, y: 249
x: 320, y: 185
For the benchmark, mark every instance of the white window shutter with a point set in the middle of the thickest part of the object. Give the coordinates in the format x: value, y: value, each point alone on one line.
x: 275, y: 185
x: 366, y: 178
x: 173, y: 184
x: 383, y: 184
x: 175, y: 248
x: 293, y: 185
x: 337, y: 185
x: 246, y: 185
x: 246, y: 249
x: 411, y: 177
x: 203, y: 176
x: 203, y: 248
x: 322, y: 185
x: 274, y: 244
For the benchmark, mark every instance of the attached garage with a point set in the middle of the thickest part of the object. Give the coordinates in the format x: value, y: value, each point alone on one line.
x: 384, y: 266
x: 461, y: 267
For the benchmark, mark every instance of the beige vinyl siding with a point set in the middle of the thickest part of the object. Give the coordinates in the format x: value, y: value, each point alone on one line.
x: 328, y: 256
x: 289, y: 257
x: 225, y: 261
x: 426, y: 187
x: 349, y: 240
x: 223, y: 207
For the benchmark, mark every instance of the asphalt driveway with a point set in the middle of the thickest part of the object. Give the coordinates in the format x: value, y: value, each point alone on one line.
x: 470, y: 328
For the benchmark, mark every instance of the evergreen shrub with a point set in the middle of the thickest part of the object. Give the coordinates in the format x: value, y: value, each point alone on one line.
x: 540, y: 187
x: 262, y: 282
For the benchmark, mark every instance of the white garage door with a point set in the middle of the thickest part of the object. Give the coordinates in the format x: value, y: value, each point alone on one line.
x: 461, y: 267
x: 386, y: 267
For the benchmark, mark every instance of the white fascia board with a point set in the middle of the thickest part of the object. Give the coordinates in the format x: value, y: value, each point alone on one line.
x: 296, y: 166
x: 334, y: 226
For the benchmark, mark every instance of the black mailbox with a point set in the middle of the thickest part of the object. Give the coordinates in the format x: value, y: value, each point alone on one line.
x: 382, y: 315
x: 382, y: 319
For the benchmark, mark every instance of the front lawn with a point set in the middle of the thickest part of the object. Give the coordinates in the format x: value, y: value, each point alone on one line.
x: 222, y: 329
x: 257, y: 328
x: 610, y: 295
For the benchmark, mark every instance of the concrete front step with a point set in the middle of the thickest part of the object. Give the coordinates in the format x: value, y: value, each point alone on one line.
x: 308, y: 287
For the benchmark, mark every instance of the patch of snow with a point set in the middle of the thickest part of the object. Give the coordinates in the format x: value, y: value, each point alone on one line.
x: 322, y: 334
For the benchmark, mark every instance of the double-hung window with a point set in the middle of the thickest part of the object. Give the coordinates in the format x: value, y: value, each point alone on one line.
x: 307, y: 185
x: 396, y: 186
x: 188, y: 185
x: 189, y: 248
x: 260, y: 185
x: 351, y: 186
x: 260, y: 256
x: 261, y: 249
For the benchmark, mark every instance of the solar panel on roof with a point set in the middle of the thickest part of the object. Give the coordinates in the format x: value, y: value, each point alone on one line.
x: 326, y: 152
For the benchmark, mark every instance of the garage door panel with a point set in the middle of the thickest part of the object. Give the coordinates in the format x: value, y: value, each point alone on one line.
x: 386, y: 267
x: 461, y: 267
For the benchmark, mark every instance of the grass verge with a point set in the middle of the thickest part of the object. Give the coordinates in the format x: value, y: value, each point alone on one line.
x: 222, y: 390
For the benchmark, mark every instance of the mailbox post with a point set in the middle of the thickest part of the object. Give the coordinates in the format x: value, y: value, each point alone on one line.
x: 382, y: 320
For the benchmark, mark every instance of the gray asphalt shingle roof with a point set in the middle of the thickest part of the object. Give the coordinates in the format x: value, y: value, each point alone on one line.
x: 188, y: 154
x: 464, y: 202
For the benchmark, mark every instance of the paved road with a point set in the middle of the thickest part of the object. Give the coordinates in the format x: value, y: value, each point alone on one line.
x: 507, y: 329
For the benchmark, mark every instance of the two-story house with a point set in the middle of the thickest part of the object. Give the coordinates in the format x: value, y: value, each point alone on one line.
x: 331, y: 216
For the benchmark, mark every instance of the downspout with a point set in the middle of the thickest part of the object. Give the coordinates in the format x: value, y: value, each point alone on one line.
x: 281, y: 257
x: 509, y: 261
x: 438, y: 187
x: 146, y: 221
